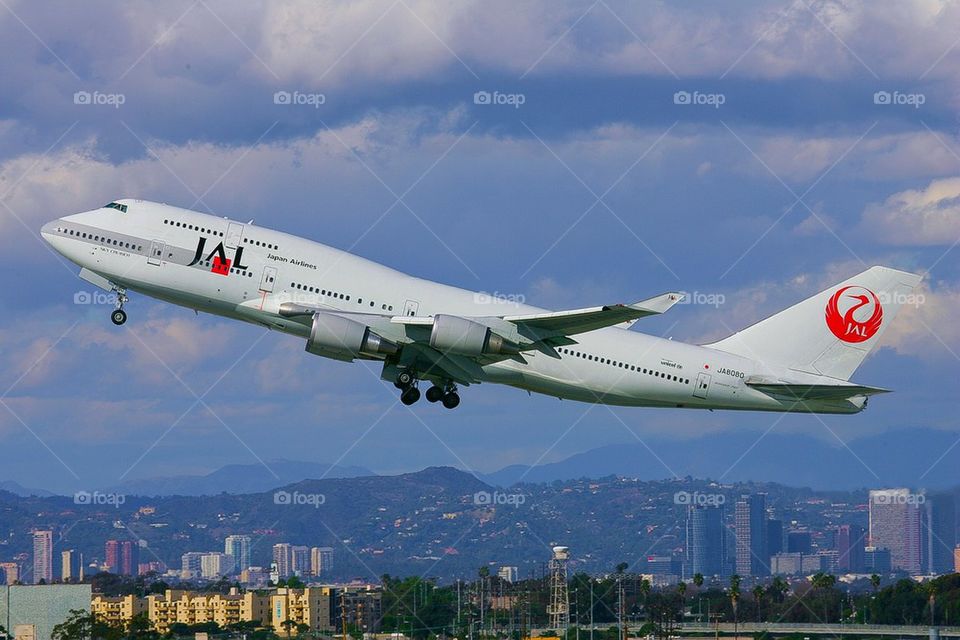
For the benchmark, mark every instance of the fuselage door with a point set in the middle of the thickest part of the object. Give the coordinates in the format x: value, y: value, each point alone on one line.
x: 269, y: 279
x: 234, y: 235
x: 703, y: 385
x: 411, y: 307
x: 156, y: 252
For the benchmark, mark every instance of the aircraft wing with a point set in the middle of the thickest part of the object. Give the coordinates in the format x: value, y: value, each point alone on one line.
x: 568, y: 323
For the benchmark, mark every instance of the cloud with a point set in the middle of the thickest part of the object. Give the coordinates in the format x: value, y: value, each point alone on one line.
x: 927, y: 216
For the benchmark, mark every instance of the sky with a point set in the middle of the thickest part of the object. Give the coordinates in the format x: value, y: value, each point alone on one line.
x: 565, y: 153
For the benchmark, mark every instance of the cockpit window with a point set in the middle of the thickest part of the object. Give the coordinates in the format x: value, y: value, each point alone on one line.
x: 122, y: 208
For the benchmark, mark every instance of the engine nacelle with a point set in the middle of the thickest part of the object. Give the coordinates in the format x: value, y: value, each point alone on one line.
x: 338, y: 337
x: 453, y: 334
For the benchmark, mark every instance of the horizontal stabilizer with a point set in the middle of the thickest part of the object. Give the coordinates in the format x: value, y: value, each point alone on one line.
x: 815, y: 391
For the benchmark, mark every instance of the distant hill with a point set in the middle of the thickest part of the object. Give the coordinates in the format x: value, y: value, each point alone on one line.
x: 437, y: 522
x: 19, y: 490
x: 899, y: 458
x: 239, y: 478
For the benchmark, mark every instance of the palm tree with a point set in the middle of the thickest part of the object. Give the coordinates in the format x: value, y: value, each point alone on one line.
x: 698, y: 579
x: 875, y: 582
x: 734, y: 600
x: 758, y: 598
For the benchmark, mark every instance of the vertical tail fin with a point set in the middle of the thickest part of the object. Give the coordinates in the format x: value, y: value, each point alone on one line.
x: 832, y: 332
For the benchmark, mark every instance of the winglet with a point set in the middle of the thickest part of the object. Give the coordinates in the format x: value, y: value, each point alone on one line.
x: 658, y: 304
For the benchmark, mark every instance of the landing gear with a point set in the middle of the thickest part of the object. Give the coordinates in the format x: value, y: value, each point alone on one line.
x: 451, y: 400
x: 445, y: 393
x: 410, y: 395
x: 119, y: 316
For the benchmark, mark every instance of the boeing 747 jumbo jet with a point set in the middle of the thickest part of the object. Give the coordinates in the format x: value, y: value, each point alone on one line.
x: 349, y: 308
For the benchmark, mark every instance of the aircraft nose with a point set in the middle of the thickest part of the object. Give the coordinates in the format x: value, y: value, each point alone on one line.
x: 47, y: 231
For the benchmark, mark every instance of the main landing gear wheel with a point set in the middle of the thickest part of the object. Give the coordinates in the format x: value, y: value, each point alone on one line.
x: 118, y: 317
x: 451, y: 400
x: 434, y: 394
x: 410, y: 395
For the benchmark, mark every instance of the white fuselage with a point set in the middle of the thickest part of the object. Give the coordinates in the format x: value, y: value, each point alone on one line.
x: 150, y: 247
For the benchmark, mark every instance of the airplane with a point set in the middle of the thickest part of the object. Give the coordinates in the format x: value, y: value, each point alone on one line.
x: 349, y: 308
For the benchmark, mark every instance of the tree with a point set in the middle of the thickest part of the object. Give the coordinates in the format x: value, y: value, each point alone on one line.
x: 288, y: 626
x: 698, y: 579
x: 81, y: 625
x: 734, y: 598
x: 875, y: 582
x: 140, y: 628
x: 758, y: 599
x: 682, y: 590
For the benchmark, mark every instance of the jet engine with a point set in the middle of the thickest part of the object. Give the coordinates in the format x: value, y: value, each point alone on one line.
x: 335, y: 336
x: 453, y: 334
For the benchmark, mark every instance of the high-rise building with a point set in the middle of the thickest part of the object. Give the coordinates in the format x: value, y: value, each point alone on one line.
x: 851, y: 539
x: 214, y: 565
x: 9, y: 572
x: 939, y: 533
x: 509, y: 574
x: 190, y: 564
x: 283, y: 560
x: 706, y: 549
x: 239, y: 547
x: 877, y: 560
x: 122, y: 557
x: 956, y: 560
x: 895, y: 525
x: 799, y: 541
x: 300, y: 560
x: 774, y: 537
x: 42, y: 557
x: 750, y: 529
x: 321, y: 560
x: 71, y: 565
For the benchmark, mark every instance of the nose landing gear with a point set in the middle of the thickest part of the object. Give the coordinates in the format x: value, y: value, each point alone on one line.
x: 119, y: 316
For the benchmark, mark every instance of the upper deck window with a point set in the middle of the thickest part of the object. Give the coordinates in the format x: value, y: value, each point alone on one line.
x: 122, y: 208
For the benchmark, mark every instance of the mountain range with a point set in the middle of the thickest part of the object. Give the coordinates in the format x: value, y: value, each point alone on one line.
x: 920, y: 458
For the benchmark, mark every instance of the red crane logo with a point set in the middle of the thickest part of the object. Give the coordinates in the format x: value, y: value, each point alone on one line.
x: 858, y: 323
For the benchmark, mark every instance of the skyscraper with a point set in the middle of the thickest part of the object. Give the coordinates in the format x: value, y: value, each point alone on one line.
x: 705, y: 548
x: 774, y: 537
x: 282, y: 559
x: 239, y: 548
x: 750, y: 525
x: 851, y: 540
x: 42, y: 556
x: 300, y: 560
x: 321, y: 560
x: 71, y: 565
x: 122, y: 557
x: 895, y: 525
x: 939, y: 533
